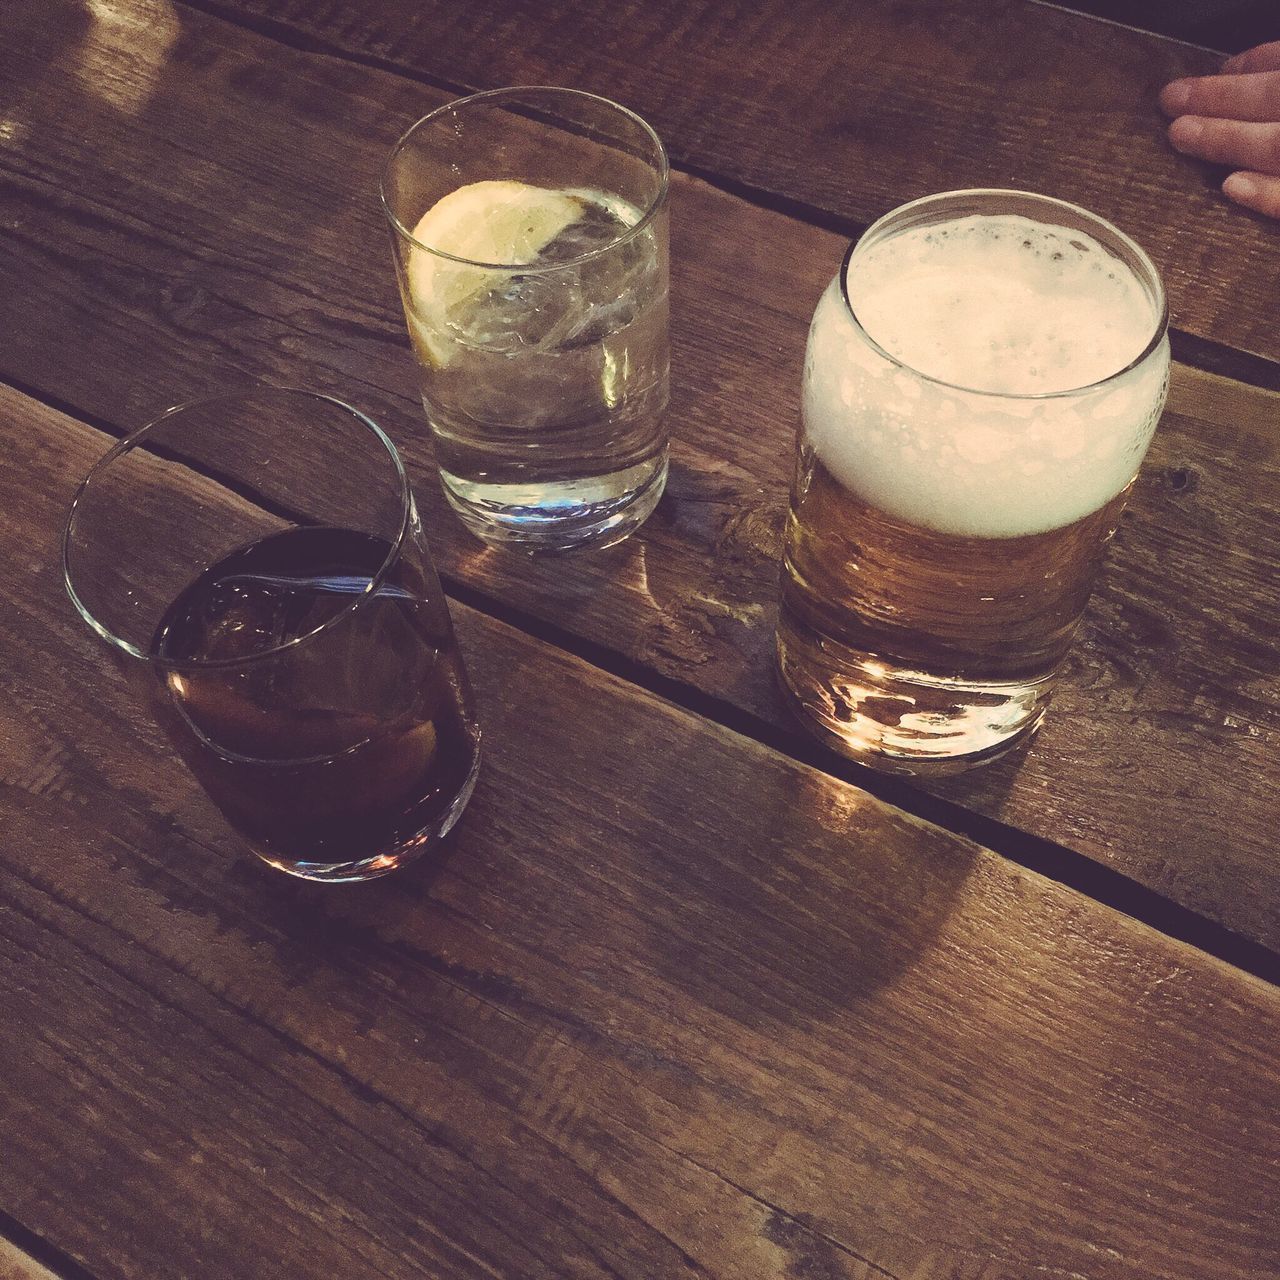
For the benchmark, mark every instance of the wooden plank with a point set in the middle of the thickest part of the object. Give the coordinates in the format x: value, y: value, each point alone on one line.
x: 17, y: 1265
x: 213, y: 244
x: 1229, y: 25
x: 671, y: 1005
x: 852, y: 110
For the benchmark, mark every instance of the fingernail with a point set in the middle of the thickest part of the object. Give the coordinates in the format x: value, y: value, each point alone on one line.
x: 1185, y: 132
x: 1240, y: 186
x: 1175, y: 97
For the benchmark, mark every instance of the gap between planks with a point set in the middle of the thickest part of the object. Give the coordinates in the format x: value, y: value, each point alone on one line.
x: 25, y: 1256
x: 1189, y: 348
x: 1125, y: 26
x: 1055, y: 862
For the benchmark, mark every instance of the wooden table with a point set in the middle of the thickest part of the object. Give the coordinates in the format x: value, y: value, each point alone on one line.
x: 687, y: 996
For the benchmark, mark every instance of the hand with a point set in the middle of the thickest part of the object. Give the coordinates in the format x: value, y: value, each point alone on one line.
x: 1233, y: 118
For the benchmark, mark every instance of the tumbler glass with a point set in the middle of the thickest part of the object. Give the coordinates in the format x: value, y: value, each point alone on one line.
x: 529, y: 228
x: 256, y: 561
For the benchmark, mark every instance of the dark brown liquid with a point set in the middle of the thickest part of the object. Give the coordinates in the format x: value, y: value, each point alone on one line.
x: 339, y: 748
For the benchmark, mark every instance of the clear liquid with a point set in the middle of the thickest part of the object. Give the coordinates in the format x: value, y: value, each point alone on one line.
x: 548, y: 409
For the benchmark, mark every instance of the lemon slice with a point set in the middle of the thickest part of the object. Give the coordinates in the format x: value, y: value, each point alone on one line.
x: 498, y: 221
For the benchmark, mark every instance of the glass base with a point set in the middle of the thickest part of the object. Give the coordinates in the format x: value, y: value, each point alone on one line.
x: 560, y: 516
x: 899, y: 720
x: 387, y: 860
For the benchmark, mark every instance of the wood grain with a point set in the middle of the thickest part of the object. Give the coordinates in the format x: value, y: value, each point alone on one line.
x: 852, y: 110
x: 671, y: 1005
x: 1229, y: 25
x: 155, y: 249
x: 17, y: 1265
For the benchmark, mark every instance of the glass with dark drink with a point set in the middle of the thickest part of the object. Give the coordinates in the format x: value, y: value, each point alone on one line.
x: 258, y: 562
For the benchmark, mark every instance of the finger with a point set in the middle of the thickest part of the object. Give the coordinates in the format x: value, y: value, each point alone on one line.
x: 1263, y: 57
x: 1244, y: 146
x: 1255, y: 96
x: 1257, y: 191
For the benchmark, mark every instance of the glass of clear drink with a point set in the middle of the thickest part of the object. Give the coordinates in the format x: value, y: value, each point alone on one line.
x: 983, y: 377
x: 257, y: 564
x: 529, y: 228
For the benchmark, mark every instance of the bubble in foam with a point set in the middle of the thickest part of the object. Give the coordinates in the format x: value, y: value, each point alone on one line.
x: 1001, y: 305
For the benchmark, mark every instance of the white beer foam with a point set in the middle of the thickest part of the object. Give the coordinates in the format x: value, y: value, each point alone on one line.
x: 1001, y: 303
x: 994, y: 304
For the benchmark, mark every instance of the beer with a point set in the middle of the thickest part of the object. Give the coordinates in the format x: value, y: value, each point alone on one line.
x: 980, y: 390
x: 336, y: 755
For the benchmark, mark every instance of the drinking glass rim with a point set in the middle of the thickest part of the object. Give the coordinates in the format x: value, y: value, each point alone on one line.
x: 1162, y: 316
x: 131, y: 441
x: 524, y: 268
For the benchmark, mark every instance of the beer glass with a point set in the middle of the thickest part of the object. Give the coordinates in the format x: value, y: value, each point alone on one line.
x: 257, y: 564
x: 529, y: 228
x: 982, y: 379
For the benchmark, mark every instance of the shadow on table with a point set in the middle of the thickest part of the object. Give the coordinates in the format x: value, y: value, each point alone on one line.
x: 318, y: 924
x: 648, y: 859
x: 817, y: 897
x: 647, y: 854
